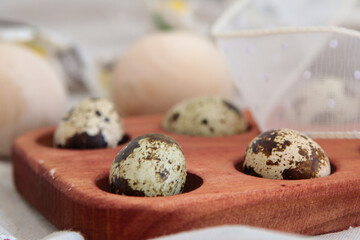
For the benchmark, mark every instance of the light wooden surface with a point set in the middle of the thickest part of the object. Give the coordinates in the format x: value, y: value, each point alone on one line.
x: 70, y: 188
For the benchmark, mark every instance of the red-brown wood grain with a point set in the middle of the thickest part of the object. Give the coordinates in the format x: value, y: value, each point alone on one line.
x: 70, y: 188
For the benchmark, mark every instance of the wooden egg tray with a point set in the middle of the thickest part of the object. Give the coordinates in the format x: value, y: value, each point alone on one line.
x: 70, y: 188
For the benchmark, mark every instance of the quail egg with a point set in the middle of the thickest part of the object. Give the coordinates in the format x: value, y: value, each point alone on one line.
x: 92, y: 123
x: 150, y: 165
x: 285, y: 154
x: 205, y: 116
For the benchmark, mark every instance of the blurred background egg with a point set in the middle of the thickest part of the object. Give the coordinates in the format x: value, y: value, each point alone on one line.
x: 31, y: 93
x: 165, y: 68
x: 324, y: 101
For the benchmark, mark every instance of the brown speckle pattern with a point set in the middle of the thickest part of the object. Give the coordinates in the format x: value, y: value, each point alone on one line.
x: 92, y: 123
x: 153, y: 164
x: 285, y: 154
x: 250, y: 171
x: 205, y: 116
x: 232, y: 107
x: 85, y: 141
x: 265, y: 143
x: 174, y: 117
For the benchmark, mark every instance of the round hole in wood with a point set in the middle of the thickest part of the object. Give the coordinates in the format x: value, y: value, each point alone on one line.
x: 193, y: 182
x: 47, y: 141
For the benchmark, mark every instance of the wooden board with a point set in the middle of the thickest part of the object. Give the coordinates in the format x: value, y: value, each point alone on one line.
x: 70, y: 188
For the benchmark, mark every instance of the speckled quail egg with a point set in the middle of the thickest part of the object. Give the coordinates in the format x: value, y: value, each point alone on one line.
x: 92, y: 123
x: 205, y: 116
x: 150, y: 165
x: 285, y: 154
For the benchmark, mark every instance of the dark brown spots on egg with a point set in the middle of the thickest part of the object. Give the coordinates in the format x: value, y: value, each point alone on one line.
x: 174, y: 117
x: 232, y: 108
x: 152, y: 137
x: 85, y: 141
x: 182, y: 186
x: 152, y: 155
x: 308, y: 168
x: 265, y: 143
x: 317, y: 155
x: 107, y: 119
x: 211, y: 129
x: 250, y: 171
x: 302, y: 170
x: 163, y: 174
x: 304, y: 137
x: 204, y: 122
x: 148, y: 147
x: 127, y: 150
x: 271, y: 163
x: 303, y: 152
x: 98, y: 113
x: 122, y: 186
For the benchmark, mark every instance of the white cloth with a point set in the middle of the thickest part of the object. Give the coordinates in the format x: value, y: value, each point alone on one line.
x: 233, y: 233
x: 16, y: 216
x: 64, y: 235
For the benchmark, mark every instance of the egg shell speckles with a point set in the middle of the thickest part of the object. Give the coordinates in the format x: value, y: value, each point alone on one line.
x: 92, y: 123
x: 150, y: 165
x: 205, y: 116
x: 285, y: 154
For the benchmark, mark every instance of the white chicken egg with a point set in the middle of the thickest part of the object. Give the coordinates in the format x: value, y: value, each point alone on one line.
x: 285, y: 154
x: 150, y: 165
x: 205, y: 116
x: 92, y: 123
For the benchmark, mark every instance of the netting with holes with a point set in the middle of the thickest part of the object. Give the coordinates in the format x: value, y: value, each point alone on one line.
x: 295, y: 64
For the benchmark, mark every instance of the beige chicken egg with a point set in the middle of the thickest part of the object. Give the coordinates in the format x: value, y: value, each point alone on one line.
x: 92, y: 123
x: 32, y: 93
x: 150, y: 165
x: 164, y: 68
x: 205, y: 116
x: 285, y: 154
